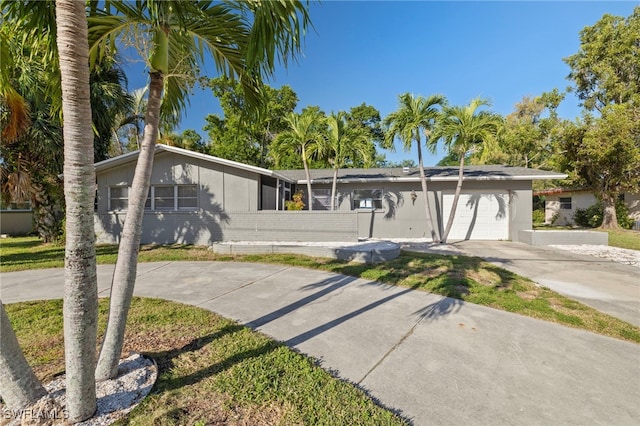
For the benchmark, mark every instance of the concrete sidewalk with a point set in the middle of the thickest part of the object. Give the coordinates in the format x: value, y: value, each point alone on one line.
x: 610, y: 287
x: 436, y: 360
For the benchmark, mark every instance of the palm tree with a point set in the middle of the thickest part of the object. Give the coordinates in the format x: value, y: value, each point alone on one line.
x: 304, y: 136
x: 465, y: 130
x: 415, y: 117
x: 245, y: 39
x: 19, y: 386
x: 345, y: 143
x: 81, y: 284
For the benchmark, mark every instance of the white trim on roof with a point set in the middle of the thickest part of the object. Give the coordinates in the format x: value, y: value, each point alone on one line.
x: 433, y: 179
x: 111, y: 162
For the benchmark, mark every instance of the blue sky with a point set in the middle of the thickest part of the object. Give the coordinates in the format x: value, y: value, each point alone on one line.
x: 372, y: 51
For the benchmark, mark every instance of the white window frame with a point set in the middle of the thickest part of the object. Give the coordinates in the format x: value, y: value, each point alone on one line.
x: 369, y: 202
x: 150, y: 204
x: 323, y: 196
x: 564, y: 202
x: 110, y: 198
x: 178, y: 197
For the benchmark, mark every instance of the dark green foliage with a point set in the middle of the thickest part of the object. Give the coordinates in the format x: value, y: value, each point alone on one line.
x: 592, y: 216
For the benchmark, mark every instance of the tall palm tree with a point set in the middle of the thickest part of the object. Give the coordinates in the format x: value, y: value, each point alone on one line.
x: 345, y: 143
x: 464, y: 130
x: 305, y: 137
x: 245, y: 39
x: 416, y: 117
x: 81, y: 284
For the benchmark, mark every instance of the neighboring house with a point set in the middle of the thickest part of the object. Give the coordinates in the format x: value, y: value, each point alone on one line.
x: 200, y: 199
x: 561, y: 204
x: 16, y: 219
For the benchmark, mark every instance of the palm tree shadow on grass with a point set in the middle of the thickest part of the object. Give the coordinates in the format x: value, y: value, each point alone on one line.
x: 166, y: 360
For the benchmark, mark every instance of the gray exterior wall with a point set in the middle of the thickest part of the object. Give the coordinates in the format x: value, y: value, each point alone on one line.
x: 230, y: 198
x: 16, y: 222
x: 401, y: 217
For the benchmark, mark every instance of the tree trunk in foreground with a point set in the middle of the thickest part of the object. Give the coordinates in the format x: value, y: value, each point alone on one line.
x: 124, y: 276
x: 427, y: 207
x: 81, y: 285
x: 609, y: 216
x: 456, y: 198
x: 19, y: 387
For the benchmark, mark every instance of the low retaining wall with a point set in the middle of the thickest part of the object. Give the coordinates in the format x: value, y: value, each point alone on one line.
x: 16, y: 222
x: 553, y: 237
x: 361, y: 253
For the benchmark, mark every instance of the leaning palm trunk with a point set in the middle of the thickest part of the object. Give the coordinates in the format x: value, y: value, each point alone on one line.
x: 454, y: 205
x: 124, y: 276
x: 427, y: 206
x: 81, y: 285
x: 19, y: 387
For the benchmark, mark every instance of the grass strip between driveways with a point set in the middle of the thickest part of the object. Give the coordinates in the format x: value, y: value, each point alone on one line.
x: 460, y: 277
x: 211, y: 370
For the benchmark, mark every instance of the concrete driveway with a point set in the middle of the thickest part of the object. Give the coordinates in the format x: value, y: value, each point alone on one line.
x: 438, y: 361
x: 610, y: 287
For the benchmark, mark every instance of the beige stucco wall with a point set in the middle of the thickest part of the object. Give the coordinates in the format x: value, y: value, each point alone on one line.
x: 582, y: 200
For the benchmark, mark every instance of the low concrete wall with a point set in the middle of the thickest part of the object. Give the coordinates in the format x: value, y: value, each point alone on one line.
x: 361, y: 253
x: 16, y: 222
x: 290, y: 226
x: 552, y: 237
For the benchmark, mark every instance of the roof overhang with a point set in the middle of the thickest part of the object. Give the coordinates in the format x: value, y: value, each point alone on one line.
x: 436, y: 179
x: 132, y: 156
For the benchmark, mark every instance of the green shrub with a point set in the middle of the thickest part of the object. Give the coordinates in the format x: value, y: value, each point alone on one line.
x: 538, y: 216
x: 591, y: 217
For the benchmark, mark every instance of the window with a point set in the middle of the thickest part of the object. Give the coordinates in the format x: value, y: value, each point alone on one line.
x: 322, y: 199
x: 187, y: 197
x: 367, y: 199
x: 118, y: 197
x: 565, y: 203
x: 161, y: 197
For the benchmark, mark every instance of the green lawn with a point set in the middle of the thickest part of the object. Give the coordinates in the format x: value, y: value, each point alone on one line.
x: 211, y: 370
x: 460, y: 277
x: 623, y: 238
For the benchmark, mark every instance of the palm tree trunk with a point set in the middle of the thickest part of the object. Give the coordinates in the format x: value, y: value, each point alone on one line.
x: 124, y: 276
x: 456, y: 197
x: 81, y: 285
x: 427, y: 206
x: 306, y: 171
x: 19, y: 387
x: 333, y: 189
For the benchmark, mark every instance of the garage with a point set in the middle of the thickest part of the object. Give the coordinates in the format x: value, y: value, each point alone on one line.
x: 479, y: 216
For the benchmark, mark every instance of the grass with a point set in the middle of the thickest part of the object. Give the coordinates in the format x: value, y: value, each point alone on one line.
x: 622, y: 238
x: 460, y: 277
x: 211, y: 370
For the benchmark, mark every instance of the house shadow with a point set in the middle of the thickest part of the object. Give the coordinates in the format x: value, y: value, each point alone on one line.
x: 473, y: 203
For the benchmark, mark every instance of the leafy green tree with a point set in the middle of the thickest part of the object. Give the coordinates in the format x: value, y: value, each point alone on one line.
x: 605, y: 70
x: 415, y: 117
x: 345, y: 144
x: 465, y: 130
x: 602, y: 152
x: 407, y: 162
x: 235, y: 135
x: 527, y: 138
x: 245, y: 39
x: 305, y: 137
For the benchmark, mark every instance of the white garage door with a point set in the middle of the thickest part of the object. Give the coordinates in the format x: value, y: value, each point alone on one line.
x: 479, y: 216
